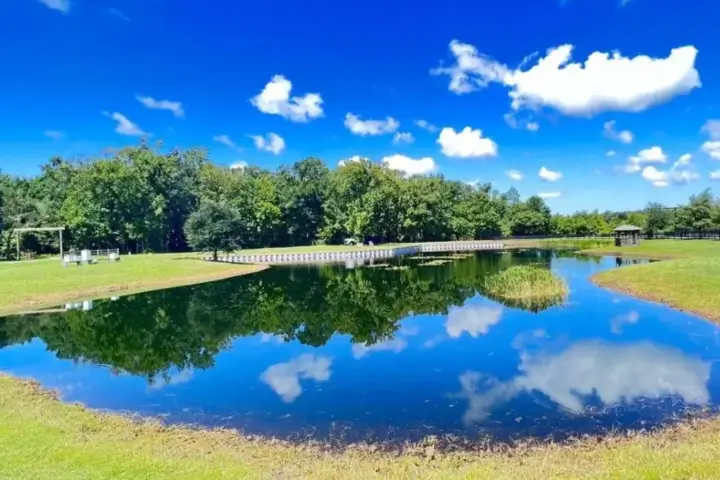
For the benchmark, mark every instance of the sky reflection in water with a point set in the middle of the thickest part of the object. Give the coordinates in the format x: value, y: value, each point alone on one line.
x: 370, y: 353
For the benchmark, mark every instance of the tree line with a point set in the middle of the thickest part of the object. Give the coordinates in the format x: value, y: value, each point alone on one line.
x: 140, y: 199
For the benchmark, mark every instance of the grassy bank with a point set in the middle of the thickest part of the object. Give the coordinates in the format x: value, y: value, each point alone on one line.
x: 526, y: 286
x: 44, y: 283
x: 690, y: 281
x: 44, y: 438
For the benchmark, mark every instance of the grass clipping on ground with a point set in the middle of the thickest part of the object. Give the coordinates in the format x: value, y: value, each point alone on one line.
x: 45, y: 438
x: 527, y: 286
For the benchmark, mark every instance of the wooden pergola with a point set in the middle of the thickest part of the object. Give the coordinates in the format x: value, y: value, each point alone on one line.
x: 18, y: 231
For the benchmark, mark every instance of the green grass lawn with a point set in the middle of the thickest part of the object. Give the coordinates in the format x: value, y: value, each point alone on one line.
x: 43, y: 283
x: 690, y: 281
x: 44, y: 438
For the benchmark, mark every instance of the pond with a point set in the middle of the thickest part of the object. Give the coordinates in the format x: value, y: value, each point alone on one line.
x: 388, y: 352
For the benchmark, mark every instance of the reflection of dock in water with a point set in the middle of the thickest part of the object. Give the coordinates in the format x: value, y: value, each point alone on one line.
x: 85, y: 306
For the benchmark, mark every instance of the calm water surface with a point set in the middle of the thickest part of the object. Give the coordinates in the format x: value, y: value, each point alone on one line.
x: 373, y: 353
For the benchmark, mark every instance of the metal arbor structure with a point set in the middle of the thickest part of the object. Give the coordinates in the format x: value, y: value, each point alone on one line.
x: 18, y: 231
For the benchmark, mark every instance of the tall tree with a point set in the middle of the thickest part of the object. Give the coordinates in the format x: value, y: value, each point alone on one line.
x: 213, y: 227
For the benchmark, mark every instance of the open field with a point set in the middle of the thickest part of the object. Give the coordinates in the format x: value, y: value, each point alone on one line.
x: 45, y: 283
x: 45, y: 438
x: 690, y: 282
x: 663, y: 249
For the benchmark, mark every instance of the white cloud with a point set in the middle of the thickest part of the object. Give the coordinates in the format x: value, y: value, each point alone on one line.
x: 664, y: 178
x: 614, y: 374
x: 467, y: 143
x: 275, y: 100
x: 611, y: 153
x: 59, y: 5
x: 403, y: 138
x: 272, y: 143
x: 628, y: 168
x: 225, y: 140
x: 239, y: 165
x: 712, y: 148
x: 370, y: 127
x: 183, y: 376
x: 549, y: 175
x: 617, y: 323
x: 532, y: 126
x: 715, y: 175
x: 425, y: 125
x: 622, y: 136
x: 284, y: 378
x: 410, y: 166
x: 549, y: 194
x: 471, y: 319
x: 54, y: 134
x: 649, y: 155
x: 354, y: 158
x: 604, y: 82
x: 712, y: 128
x: 174, y: 107
x: 395, y: 345
x: 125, y: 126
x: 514, y: 175
x: 683, y: 160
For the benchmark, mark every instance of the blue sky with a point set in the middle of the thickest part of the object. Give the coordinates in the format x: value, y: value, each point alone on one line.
x: 481, y: 73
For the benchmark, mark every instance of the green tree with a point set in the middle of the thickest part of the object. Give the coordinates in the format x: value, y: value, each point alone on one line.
x: 213, y: 227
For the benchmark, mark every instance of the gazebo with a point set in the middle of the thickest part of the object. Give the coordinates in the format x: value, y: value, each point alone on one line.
x: 626, y: 235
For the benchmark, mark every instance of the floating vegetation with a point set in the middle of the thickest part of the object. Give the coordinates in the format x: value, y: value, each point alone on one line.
x: 527, y: 287
x: 398, y: 267
x: 435, y: 263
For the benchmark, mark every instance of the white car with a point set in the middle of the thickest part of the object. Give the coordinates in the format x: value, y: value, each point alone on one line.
x: 351, y: 241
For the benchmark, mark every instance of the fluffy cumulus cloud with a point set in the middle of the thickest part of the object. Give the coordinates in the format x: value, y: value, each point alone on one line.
x: 54, y: 134
x: 664, y: 178
x: 395, y: 345
x: 403, y: 137
x: 647, y: 155
x: 683, y: 160
x: 225, y: 140
x: 715, y: 175
x: 548, y: 175
x: 603, y: 82
x: 175, y: 107
x: 573, y: 378
x: 514, y: 175
x: 549, y: 194
x: 275, y: 99
x: 467, y: 143
x: 125, y: 126
x: 354, y: 158
x: 623, y: 136
x: 425, y: 125
x: 271, y: 142
x: 532, y: 126
x: 474, y: 320
x: 238, y: 165
x: 284, y: 378
x: 410, y: 166
x: 370, y: 127
x: 712, y: 146
x: 59, y: 5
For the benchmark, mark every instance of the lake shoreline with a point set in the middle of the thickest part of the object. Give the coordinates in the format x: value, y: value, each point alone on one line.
x: 686, y: 279
x: 128, y: 287
x: 35, y: 420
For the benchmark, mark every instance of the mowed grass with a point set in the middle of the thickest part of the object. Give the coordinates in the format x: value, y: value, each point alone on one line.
x: 44, y: 283
x: 690, y: 282
x: 44, y: 438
